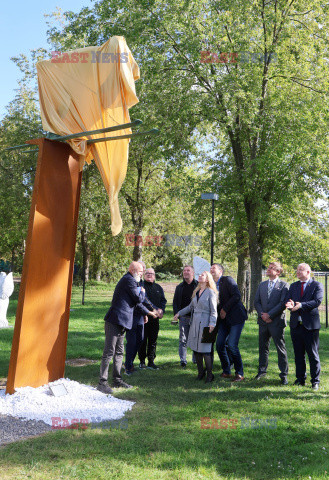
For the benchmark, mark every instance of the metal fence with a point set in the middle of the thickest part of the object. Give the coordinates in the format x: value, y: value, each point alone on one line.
x: 322, y: 277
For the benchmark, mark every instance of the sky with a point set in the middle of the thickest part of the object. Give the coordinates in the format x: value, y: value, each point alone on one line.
x: 22, y: 28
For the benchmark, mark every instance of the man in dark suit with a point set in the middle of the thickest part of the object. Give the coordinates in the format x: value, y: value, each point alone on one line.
x: 303, y: 299
x: 155, y: 294
x: 232, y: 316
x: 270, y: 303
x: 119, y: 318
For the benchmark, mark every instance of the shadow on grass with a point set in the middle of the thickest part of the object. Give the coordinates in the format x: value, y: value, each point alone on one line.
x: 164, y: 438
x: 164, y: 431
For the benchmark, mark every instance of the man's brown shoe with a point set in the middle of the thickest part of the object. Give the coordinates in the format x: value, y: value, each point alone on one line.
x: 225, y: 375
x: 238, y: 378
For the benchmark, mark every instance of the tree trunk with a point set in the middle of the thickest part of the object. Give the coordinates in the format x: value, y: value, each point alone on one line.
x: 99, y: 268
x: 85, y: 253
x: 13, y: 260
x: 256, y: 259
x: 138, y: 248
x: 243, y: 263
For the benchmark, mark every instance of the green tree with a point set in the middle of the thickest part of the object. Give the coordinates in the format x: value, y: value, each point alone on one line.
x: 150, y: 186
x: 264, y: 108
x: 268, y: 112
x: 17, y: 169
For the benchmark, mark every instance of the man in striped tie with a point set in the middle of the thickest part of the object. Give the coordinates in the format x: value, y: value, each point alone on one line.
x: 303, y: 300
x: 270, y: 305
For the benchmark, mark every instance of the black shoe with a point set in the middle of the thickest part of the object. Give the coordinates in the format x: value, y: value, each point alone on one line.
x: 153, y: 366
x: 121, y: 384
x: 201, y: 375
x: 210, y: 377
x: 260, y: 375
x: 284, y: 381
x: 299, y: 383
x: 315, y: 386
x: 129, y: 372
x: 104, y: 388
x: 142, y: 365
x: 183, y: 364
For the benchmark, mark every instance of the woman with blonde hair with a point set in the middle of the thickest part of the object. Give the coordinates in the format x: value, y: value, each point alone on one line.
x: 203, y: 308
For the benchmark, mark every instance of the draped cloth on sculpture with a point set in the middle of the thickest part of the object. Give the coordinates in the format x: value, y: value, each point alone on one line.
x: 89, y: 89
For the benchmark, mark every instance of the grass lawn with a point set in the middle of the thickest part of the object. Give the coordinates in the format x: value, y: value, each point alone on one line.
x: 164, y: 438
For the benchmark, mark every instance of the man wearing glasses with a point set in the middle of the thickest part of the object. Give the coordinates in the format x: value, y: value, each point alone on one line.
x: 154, y: 293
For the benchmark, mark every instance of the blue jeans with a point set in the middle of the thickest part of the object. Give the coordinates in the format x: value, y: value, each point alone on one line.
x: 229, y: 335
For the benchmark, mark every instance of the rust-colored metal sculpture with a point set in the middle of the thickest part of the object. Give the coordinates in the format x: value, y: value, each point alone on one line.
x: 41, y: 328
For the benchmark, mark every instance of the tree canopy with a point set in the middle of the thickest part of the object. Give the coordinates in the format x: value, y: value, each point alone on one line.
x: 238, y: 90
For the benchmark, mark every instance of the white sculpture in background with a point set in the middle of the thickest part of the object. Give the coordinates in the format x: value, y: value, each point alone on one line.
x: 6, y: 289
x: 200, y: 265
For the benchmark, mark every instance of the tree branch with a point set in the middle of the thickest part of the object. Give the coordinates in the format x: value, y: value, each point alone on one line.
x: 295, y: 80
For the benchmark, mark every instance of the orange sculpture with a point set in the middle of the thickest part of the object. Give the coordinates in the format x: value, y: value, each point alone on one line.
x: 89, y: 89
x: 41, y: 328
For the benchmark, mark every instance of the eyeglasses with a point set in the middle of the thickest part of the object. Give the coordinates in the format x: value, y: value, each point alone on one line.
x: 149, y: 273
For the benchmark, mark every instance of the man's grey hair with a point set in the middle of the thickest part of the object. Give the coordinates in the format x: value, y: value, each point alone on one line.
x: 305, y: 265
x: 150, y: 270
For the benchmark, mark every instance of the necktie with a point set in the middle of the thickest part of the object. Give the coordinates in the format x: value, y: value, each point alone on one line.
x: 270, y: 288
x: 302, y: 289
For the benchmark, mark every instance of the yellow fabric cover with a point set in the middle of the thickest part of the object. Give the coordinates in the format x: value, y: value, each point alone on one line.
x: 88, y: 89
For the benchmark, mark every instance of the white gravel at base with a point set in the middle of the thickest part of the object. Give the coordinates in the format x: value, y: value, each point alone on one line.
x: 81, y: 402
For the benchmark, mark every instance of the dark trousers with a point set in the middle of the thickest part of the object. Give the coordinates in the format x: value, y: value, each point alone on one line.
x: 184, y: 328
x: 307, y: 341
x: 148, y: 346
x: 199, y: 357
x: 229, y: 335
x: 134, y: 338
x: 114, y: 337
x: 264, y: 337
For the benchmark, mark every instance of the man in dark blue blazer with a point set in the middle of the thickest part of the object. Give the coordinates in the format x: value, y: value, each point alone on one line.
x: 119, y: 318
x: 270, y: 300
x: 135, y: 336
x: 231, y: 319
x: 303, y: 300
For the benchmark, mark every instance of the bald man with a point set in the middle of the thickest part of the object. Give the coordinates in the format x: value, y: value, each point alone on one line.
x: 303, y: 300
x: 119, y: 318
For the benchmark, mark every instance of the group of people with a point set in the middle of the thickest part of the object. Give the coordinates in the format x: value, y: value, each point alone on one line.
x: 137, y: 306
x: 211, y: 313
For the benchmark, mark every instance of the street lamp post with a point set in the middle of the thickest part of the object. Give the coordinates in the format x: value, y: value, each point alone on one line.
x: 212, y: 197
